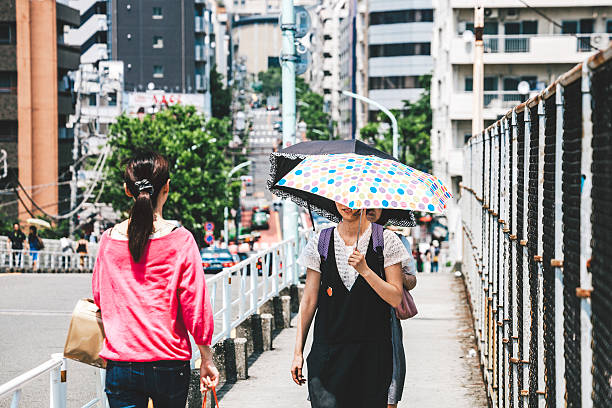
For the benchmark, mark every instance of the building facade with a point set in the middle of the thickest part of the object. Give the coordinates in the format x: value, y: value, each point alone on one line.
x: 91, y: 36
x: 521, y: 45
x: 399, y: 51
x: 35, y: 101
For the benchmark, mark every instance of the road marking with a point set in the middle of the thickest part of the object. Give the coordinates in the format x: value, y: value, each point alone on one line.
x: 15, y: 312
x: 10, y: 273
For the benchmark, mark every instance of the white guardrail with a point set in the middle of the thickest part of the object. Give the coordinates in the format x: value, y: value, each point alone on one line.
x: 235, y: 294
x: 45, y: 260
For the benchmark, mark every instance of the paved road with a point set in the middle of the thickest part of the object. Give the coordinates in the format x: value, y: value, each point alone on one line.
x: 35, y: 314
x: 437, y: 342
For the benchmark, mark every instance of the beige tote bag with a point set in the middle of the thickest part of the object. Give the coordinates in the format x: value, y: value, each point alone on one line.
x: 86, y: 334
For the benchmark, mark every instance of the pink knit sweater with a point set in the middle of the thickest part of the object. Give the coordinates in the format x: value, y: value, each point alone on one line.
x: 148, y: 307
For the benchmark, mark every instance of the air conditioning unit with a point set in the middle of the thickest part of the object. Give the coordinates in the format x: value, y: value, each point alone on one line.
x: 598, y: 39
x: 491, y: 13
x: 512, y: 14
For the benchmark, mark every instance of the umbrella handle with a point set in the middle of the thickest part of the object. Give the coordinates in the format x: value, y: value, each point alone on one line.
x: 358, y: 229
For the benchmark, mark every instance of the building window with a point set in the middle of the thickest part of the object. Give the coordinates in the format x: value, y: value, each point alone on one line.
x: 158, y: 41
x: 8, y: 82
x: 402, y: 49
x: 401, y: 16
x: 112, y: 99
x: 158, y: 71
x: 5, y: 33
x: 521, y: 28
x: 394, y: 82
x: 8, y: 130
x: 157, y: 13
x: 92, y: 100
x: 490, y: 84
x: 584, y: 26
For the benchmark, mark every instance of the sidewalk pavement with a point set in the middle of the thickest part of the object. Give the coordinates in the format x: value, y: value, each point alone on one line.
x: 440, y: 370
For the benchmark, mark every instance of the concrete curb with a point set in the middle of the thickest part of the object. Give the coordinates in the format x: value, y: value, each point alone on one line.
x: 254, y: 336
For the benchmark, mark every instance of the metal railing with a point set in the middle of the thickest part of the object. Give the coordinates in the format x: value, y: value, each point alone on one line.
x: 56, y: 367
x: 536, y: 263
x: 235, y: 293
x: 502, y: 99
x: 507, y: 43
x: 11, y: 259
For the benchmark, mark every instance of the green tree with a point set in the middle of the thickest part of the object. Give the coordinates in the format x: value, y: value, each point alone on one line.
x: 414, y: 127
x: 271, y: 81
x: 196, y: 151
x: 221, y: 97
x: 310, y: 110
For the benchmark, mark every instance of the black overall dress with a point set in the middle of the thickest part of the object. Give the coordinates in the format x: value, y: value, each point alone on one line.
x: 350, y: 363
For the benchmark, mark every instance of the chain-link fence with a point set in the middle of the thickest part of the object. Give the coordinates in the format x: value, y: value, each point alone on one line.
x: 537, y: 222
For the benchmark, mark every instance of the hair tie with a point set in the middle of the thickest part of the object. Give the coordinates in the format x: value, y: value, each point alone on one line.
x: 144, y: 185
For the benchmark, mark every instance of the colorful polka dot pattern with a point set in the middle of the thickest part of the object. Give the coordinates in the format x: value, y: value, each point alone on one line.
x: 368, y: 182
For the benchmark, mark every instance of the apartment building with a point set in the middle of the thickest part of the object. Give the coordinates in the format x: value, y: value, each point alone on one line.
x: 521, y: 46
x: 91, y: 35
x: 399, y: 51
x: 35, y: 99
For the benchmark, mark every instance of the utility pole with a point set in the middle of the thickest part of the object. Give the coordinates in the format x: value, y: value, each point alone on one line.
x: 75, y: 149
x: 288, y: 58
x: 478, y: 81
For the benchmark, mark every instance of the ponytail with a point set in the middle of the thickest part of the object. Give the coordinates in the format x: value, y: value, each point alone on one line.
x: 140, y: 226
x: 145, y: 175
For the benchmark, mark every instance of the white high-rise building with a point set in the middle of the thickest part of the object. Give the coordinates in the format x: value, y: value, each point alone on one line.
x: 399, y: 50
x: 92, y: 35
x: 521, y: 45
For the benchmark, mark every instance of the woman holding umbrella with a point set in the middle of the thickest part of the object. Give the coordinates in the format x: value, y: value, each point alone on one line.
x: 350, y: 363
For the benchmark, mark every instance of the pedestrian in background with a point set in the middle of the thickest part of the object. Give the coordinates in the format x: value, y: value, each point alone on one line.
x: 66, y: 248
x: 398, y: 377
x: 16, y: 241
x: 435, y: 248
x: 82, y: 249
x: 149, y: 284
x: 35, y: 244
x: 351, y: 359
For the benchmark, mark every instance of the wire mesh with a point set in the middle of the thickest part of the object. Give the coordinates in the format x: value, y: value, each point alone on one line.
x: 548, y: 231
x: 572, y: 126
x: 601, y: 219
x: 532, y: 242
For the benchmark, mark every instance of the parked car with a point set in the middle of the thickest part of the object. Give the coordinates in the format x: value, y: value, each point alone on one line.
x: 260, y: 220
x: 215, y: 259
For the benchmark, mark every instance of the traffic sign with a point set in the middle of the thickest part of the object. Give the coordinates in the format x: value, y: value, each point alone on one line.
x: 209, y: 239
x: 209, y: 226
x: 302, y: 62
x: 302, y: 21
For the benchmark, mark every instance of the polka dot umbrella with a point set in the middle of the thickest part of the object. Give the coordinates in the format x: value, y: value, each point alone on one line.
x: 363, y: 182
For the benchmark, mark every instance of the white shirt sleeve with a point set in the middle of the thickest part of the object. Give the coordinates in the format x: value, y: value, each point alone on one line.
x: 310, y: 258
x: 395, y: 252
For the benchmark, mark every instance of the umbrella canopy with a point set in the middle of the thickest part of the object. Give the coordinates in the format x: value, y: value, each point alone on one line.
x: 38, y: 222
x: 363, y: 182
x: 285, y: 160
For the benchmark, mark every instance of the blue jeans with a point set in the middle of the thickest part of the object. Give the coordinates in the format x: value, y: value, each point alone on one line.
x: 131, y: 384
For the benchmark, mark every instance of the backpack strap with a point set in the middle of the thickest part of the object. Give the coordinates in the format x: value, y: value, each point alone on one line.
x: 324, y: 240
x: 378, y: 240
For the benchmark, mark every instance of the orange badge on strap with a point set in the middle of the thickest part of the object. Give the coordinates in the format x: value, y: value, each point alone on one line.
x: 329, y: 291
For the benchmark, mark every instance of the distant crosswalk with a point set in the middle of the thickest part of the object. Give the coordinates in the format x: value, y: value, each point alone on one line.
x: 263, y: 140
x: 263, y: 132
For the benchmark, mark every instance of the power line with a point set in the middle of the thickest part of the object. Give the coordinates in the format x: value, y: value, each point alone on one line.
x: 555, y: 23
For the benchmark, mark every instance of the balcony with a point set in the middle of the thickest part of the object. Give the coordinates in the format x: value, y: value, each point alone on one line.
x: 200, y: 84
x: 68, y: 57
x: 528, y: 49
x: 8, y: 106
x: 496, y: 103
x: 199, y: 25
x: 200, y: 53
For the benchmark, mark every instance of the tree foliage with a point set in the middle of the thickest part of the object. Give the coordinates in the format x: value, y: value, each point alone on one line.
x: 196, y: 151
x: 414, y: 127
x: 221, y: 97
x: 310, y: 110
x: 271, y: 81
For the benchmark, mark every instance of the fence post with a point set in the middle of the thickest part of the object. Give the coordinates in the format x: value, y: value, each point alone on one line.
x: 227, y: 306
x: 514, y: 253
x: 540, y: 250
x: 57, y: 389
x: 586, y: 325
x: 525, y: 254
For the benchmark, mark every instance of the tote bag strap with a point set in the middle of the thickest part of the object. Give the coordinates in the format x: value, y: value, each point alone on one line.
x: 214, y: 393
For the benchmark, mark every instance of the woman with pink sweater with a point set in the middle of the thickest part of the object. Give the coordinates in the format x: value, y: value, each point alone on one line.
x: 149, y: 284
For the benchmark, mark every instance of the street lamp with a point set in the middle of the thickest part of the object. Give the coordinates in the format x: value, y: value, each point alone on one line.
x: 386, y: 111
x: 225, y: 210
